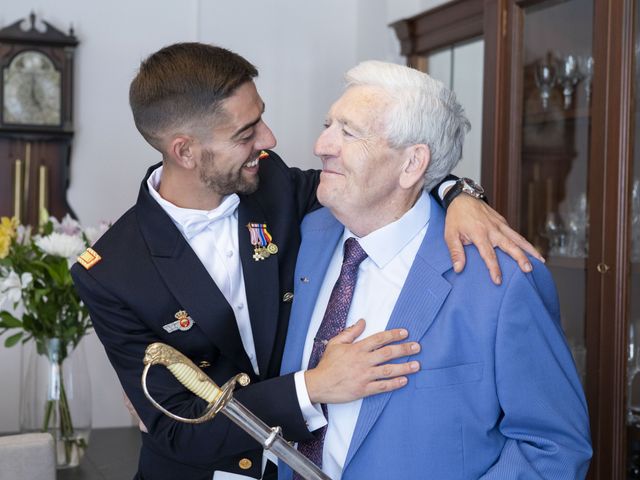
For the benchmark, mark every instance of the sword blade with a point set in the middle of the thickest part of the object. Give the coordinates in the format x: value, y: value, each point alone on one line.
x: 272, y: 440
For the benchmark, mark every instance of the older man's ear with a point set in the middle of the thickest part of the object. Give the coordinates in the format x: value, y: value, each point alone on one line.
x: 414, y: 166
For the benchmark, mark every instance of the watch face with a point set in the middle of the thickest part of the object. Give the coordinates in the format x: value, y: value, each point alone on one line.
x: 31, y: 94
x: 471, y: 187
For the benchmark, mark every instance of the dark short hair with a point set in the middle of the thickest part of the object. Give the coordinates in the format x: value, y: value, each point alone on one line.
x: 183, y: 84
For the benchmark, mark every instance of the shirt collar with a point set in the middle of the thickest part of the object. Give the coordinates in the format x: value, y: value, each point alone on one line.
x: 384, y: 244
x: 184, y: 218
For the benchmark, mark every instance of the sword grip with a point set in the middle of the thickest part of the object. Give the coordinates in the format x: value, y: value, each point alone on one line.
x: 204, y: 388
x: 185, y: 371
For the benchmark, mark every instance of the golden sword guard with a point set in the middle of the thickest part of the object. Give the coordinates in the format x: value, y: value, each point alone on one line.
x: 194, y: 379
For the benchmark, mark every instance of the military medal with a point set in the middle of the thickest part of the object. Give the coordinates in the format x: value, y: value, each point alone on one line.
x: 262, y: 241
x: 183, y: 322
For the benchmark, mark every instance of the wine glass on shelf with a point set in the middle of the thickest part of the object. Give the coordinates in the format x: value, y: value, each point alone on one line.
x: 569, y: 76
x: 577, y: 226
x: 586, y: 67
x: 555, y: 232
x: 545, y: 77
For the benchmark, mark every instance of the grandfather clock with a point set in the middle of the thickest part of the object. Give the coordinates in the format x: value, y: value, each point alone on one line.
x: 36, y: 124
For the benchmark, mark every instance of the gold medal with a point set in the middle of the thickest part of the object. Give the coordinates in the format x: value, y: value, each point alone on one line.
x: 260, y: 253
x: 272, y: 248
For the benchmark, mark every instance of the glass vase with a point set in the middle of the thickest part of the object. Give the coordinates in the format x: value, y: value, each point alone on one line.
x: 56, y: 397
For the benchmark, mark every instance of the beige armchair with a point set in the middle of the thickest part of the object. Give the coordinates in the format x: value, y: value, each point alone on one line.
x: 28, y: 456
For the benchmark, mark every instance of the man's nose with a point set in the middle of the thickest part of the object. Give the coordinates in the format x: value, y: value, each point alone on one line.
x: 266, y: 138
x: 325, y: 145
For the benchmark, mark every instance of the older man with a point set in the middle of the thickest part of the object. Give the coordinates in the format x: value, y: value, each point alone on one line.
x: 496, y: 394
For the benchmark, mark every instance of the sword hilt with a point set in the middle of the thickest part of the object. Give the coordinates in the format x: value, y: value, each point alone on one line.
x: 221, y: 399
x: 192, y: 377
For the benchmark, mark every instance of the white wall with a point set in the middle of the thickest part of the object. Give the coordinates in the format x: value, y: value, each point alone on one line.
x: 108, y: 155
x: 300, y: 48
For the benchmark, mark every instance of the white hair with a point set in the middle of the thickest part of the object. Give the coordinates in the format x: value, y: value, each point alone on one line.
x: 424, y: 111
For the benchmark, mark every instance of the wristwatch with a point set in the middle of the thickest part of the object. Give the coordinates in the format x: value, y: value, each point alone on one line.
x: 463, y: 185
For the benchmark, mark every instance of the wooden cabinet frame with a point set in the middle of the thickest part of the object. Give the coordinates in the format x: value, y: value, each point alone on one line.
x: 609, y: 182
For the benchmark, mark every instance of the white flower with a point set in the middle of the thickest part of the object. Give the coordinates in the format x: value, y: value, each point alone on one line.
x: 94, y: 233
x: 68, y: 226
x: 23, y: 234
x: 61, y: 245
x: 11, y: 288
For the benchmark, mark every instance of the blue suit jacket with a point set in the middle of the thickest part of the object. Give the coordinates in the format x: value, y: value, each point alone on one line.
x: 497, y: 395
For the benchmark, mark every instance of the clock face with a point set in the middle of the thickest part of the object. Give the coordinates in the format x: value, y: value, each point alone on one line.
x: 31, y: 94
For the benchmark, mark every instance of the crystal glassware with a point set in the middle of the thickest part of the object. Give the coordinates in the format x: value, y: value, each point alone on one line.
x: 545, y: 77
x: 586, y: 66
x: 555, y: 232
x: 568, y: 78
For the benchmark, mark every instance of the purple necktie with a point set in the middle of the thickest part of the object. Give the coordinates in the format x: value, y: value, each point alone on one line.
x: 333, y: 322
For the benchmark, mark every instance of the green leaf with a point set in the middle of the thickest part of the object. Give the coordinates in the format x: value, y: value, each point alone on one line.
x: 53, y: 269
x: 13, y: 339
x: 9, y: 321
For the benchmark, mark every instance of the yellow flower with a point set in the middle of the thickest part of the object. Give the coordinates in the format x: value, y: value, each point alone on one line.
x: 7, y: 233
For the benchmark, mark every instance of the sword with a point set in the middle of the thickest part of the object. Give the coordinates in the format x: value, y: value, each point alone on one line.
x: 220, y: 400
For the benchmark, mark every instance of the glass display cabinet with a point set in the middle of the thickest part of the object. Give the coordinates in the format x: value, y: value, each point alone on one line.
x: 561, y: 160
x: 554, y: 101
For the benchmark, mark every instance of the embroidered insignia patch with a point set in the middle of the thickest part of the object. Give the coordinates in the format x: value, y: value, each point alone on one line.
x: 89, y: 258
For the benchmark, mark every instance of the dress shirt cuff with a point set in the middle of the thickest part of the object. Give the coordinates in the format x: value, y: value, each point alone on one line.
x: 312, y: 414
x: 443, y: 188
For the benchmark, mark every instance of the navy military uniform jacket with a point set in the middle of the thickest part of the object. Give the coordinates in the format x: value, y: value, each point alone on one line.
x: 148, y: 272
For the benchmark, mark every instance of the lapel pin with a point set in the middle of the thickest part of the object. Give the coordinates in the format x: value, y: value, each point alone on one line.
x: 287, y: 297
x: 304, y: 279
x: 262, y: 241
x: 263, y: 155
x: 183, y: 322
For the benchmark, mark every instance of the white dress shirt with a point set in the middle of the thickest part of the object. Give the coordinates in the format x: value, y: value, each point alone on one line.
x: 391, y: 251
x: 213, y: 236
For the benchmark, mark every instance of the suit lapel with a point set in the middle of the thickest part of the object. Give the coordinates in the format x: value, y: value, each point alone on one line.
x: 422, y: 295
x: 188, y: 280
x: 320, y: 237
x: 261, y: 283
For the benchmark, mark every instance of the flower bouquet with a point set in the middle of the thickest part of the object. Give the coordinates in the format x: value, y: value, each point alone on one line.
x: 38, y: 301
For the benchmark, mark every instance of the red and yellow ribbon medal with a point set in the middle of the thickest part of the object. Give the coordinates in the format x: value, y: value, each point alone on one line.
x: 262, y: 241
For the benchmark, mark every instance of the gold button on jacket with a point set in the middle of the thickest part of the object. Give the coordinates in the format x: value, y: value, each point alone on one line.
x: 245, y: 464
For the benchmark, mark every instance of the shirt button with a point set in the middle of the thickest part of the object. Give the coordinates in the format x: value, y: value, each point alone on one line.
x: 240, y: 306
x: 230, y: 253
